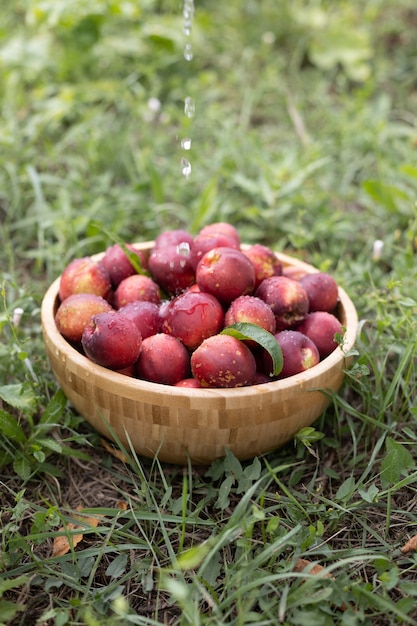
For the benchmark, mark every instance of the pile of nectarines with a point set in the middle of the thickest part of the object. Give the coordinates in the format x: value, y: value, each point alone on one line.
x: 164, y: 316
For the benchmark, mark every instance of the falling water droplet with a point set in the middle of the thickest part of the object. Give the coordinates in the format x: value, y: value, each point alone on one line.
x: 188, y: 14
x: 188, y: 52
x: 185, y: 167
x: 188, y: 8
x: 189, y: 107
x: 186, y: 143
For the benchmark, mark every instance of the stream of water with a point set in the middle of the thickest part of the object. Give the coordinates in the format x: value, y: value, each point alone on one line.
x: 189, y: 105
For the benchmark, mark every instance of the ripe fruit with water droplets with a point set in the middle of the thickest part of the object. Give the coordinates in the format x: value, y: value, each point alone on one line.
x: 287, y: 299
x: 322, y: 327
x: 208, y: 282
x: 74, y: 313
x: 135, y: 288
x: 192, y: 317
x: 226, y: 273
x: 163, y: 359
x: 84, y: 275
x: 144, y: 314
x: 111, y: 340
x: 223, y: 228
x: 265, y: 262
x: 170, y: 266
x: 118, y: 264
x: 299, y: 353
x: 223, y: 361
x: 322, y: 291
x: 250, y: 310
x: 204, y: 242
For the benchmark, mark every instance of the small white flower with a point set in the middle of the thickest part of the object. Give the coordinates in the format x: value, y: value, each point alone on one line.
x: 154, y: 105
x: 17, y: 316
x: 377, y: 249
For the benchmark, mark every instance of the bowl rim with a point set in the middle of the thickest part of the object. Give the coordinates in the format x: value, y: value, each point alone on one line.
x: 153, y: 392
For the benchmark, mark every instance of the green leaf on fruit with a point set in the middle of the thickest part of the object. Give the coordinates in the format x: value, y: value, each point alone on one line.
x: 245, y: 331
x: 134, y: 259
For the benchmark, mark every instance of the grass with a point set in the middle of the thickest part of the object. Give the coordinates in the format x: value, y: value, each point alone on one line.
x: 304, y: 137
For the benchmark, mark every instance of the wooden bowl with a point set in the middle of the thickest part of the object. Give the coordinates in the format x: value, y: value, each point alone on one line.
x: 180, y: 423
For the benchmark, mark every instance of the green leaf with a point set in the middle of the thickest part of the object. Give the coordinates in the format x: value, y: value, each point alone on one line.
x: 308, y: 435
x: 39, y: 455
x: 223, y: 493
x: 232, y: 465
x: 10, y: 428
x: 54, y: 409
x: 345, y: 489
x: 192, y: 557
x: 9, y: 609
x: 50, y: 444
x: 409, y: 587
x: 250, y: 474
x: 134, y: 259
x: 245, y: 331
x: 397, y: 460
x: 369, y: 495
x: 12, y: 583
x: 408, y: 302
x: 273, y: 525
x: 118, y: 566
x: 390, y: 577
x: 384, y: 194
x: 20, y: 396
x: 22, y: 467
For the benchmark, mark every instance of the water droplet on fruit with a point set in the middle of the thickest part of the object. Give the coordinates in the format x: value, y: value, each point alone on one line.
x: 183, y: 248
x: 111, y: 324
